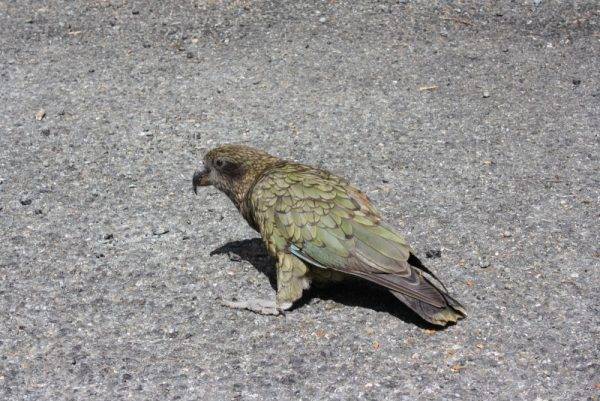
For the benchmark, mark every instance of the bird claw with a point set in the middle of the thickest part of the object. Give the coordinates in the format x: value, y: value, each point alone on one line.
x: 260, y: 306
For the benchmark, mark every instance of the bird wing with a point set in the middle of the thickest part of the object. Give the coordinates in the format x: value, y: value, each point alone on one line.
x: 326, y: 222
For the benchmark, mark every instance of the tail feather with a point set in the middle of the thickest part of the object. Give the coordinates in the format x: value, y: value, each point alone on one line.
x: 450, y: 312
x: 418, y: 293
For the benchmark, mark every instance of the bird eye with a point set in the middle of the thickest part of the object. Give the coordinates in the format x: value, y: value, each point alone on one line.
x: 219, y: 163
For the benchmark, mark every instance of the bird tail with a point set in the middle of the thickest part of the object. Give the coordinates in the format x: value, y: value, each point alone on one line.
x: 450, y: 312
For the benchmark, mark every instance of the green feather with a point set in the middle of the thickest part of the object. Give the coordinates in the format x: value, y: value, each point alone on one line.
x: 346, y: 203
x: 371, y: 237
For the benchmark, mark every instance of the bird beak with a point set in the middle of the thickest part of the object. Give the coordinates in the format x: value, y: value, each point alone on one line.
x: 200, y: 179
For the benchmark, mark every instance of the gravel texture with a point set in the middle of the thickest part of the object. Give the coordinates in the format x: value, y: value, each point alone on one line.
x: 472, y: 125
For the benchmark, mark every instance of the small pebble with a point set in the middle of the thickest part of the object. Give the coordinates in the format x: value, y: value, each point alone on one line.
x: 25, y: 201
x: 486, y: 94
x: 108, y: 236
x: 433, y: 253
x: 330, y: 305
x: 160, y: 230
x: 46, y: 132
x: 576, y: 82
x: 484, y: 262
x: 322, y: 19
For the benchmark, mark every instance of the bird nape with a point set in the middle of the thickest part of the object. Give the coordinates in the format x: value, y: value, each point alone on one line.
x: 313, y: 221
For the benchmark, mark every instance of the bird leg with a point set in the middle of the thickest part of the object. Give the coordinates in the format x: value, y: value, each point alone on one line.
x: 292, y: 279
x: 260, y: 306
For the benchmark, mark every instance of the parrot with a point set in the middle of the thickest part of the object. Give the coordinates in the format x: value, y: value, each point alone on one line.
x: 319, y: 227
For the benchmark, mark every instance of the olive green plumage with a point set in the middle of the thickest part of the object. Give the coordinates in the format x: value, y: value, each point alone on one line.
x: 313, y: 222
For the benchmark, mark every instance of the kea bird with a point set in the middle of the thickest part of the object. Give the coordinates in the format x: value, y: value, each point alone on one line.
x: 318, y: 227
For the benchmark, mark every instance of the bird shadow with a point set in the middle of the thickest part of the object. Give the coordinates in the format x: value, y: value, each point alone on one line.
x: 352, y: 292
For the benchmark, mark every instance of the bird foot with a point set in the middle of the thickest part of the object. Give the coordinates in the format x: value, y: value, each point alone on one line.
x: 260, y: 306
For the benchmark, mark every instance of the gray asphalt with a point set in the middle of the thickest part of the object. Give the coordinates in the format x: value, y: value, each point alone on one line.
x: 473, y: 126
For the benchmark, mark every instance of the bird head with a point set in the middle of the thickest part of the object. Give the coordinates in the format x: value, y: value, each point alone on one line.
x: 233, y: 169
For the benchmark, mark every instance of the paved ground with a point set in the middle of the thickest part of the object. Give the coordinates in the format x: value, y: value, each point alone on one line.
x: 473, y: 127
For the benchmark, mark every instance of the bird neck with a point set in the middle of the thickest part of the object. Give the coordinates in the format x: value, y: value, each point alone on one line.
x: 243, y: 192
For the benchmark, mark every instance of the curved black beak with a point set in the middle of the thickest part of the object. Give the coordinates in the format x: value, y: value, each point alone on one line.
x: 200, y: 179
